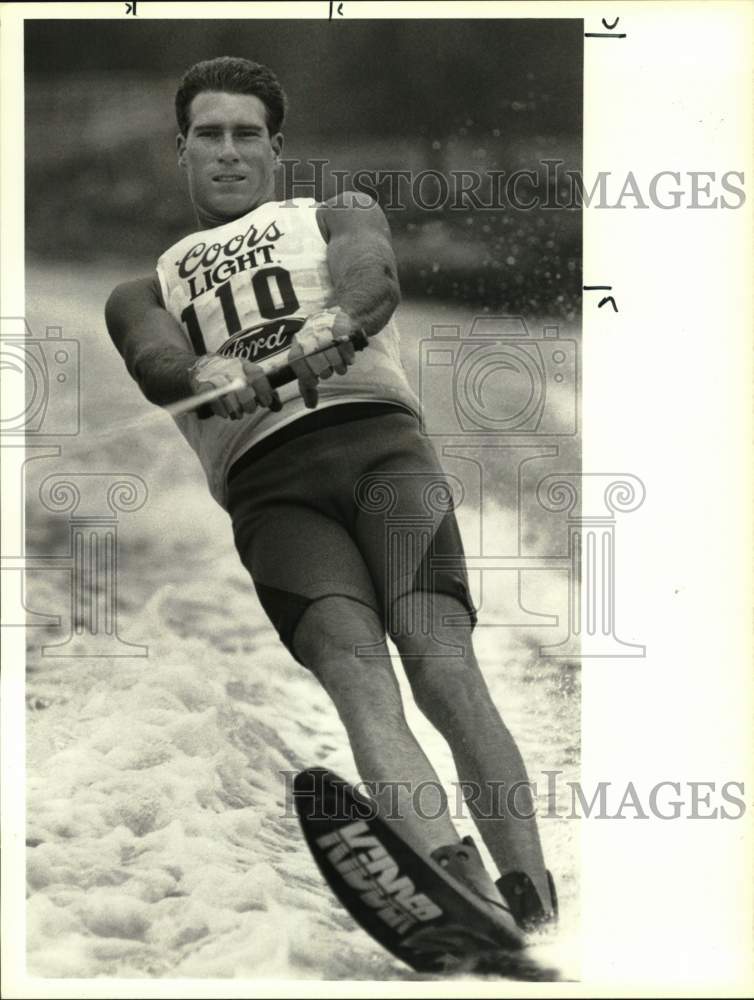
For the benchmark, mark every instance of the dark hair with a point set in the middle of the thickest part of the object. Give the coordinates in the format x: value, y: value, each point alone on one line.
x: 231, y: 75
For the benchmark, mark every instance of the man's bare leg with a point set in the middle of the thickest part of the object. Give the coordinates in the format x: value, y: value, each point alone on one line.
x: 365, y: 692
x: 453, y: 695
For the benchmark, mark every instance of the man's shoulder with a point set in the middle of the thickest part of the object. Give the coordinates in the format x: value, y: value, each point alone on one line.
x: 351, y: 199
x: 348, y: 210
x: 127, y: 294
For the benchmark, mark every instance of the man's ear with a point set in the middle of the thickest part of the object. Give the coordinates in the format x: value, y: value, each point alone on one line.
x: 180, y: 145
x: 277, y: 144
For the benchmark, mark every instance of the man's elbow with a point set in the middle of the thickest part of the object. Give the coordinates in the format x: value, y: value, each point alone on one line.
x: 389, y: 299
x: 393, y: 288
x: 114, y: 311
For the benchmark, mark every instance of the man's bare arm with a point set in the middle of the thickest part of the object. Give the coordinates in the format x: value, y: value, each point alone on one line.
x: 361, y: 260
x: 150, y: 341
x: 154, y: 348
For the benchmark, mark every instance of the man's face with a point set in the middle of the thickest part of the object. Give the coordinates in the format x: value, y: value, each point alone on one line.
x: 228, y: 155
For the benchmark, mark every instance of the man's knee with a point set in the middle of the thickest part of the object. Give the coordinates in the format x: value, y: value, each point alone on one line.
x: 343, y: 644
x: 337, y: 629
x: 451, y: 693
x: 423, y: 624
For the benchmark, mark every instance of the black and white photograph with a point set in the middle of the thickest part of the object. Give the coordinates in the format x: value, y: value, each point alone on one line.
x: 353, y: 487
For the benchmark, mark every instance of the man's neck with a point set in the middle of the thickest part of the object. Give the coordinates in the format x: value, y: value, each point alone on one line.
x: 207, y: 220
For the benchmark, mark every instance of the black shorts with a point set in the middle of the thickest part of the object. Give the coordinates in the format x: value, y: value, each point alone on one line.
x: 350, y: 501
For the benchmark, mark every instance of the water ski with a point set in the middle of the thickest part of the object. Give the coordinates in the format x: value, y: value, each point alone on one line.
x: 406, y: 902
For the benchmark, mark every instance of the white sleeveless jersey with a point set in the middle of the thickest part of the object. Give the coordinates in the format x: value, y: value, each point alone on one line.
x: 243, y: 290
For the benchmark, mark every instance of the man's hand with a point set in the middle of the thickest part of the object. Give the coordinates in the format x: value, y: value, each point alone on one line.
x: 319, y: 331
x: 212, y: 371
